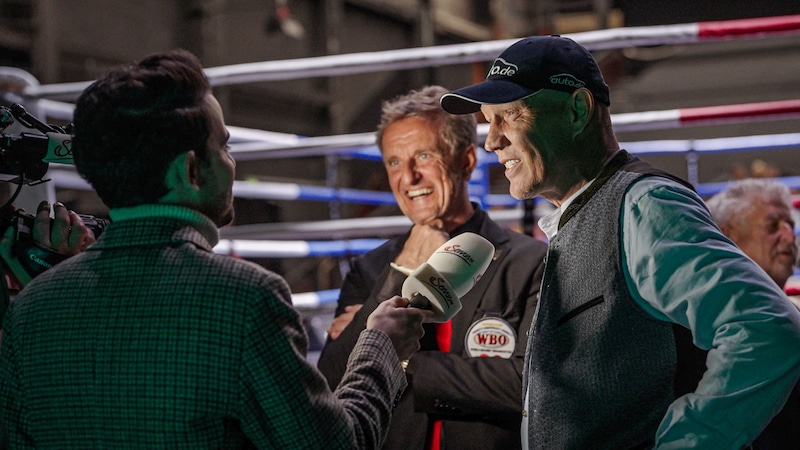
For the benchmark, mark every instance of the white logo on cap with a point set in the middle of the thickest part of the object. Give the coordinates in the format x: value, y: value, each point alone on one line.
x: 567, y: 80
x: 501, y: 67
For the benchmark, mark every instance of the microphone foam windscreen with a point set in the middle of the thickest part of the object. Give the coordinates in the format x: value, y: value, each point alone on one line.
x: 449, y: 273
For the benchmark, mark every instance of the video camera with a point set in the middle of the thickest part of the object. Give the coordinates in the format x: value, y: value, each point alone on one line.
x: 25, y: 159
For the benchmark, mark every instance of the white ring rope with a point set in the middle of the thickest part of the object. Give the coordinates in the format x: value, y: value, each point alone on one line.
x: 412, y: 58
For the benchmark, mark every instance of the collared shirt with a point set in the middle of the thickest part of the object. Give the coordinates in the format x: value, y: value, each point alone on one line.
x: 697, y: 277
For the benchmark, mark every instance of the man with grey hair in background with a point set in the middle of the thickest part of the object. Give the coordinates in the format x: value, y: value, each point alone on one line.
x: 758, y: 216
x: 463, y: 393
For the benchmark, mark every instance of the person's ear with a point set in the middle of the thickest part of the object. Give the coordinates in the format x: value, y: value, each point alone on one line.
x: 470, y: 161
x: 183, y: 172
x: 582, y: 110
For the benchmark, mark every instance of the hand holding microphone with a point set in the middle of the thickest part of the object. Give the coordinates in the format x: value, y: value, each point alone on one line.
x: 403, y: 325
x: 450, y: 272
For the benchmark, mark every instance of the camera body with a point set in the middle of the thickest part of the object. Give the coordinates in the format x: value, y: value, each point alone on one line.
x: 25, y: 159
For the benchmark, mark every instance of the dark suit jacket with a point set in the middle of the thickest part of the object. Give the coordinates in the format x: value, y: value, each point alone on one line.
x: 478, y: 398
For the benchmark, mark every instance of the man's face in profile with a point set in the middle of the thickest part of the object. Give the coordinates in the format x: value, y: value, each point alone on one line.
x: 218, y: 170
x: 765, y: 233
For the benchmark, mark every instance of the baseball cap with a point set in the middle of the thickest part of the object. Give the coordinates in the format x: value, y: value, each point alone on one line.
x: 528, y: 66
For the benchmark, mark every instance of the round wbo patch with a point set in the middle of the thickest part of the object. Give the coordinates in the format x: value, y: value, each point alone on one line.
x: 490, y: 337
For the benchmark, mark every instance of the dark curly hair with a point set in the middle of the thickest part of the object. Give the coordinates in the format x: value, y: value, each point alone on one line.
x: 130, y: 124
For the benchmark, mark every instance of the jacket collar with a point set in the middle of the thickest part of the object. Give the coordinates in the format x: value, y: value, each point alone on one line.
x: 154, y: 220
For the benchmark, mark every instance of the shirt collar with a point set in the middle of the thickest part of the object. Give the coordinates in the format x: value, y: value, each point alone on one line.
x: 549, y: 222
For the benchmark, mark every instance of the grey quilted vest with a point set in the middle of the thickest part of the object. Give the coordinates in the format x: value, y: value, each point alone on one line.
x: 601, y: 372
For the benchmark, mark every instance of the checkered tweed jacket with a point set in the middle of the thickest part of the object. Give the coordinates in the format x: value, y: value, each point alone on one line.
x: 150, y: 340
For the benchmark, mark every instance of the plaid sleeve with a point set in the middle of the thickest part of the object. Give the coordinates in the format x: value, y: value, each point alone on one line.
x: 372, y: 386
x: 12, y: 419
x: 286, y: 403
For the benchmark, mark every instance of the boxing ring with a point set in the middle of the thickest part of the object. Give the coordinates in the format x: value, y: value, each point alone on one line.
x: 356, y: 236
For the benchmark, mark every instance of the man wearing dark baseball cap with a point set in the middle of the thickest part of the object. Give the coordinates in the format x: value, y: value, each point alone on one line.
x: 639, y: 283
x: 527, y: 67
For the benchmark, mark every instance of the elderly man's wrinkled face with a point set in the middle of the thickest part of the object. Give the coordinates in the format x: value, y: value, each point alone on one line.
x: 428, y: 183
x: 765, y: 233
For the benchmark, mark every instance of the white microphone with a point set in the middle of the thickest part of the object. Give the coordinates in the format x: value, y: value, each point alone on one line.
x: 450, y: 272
